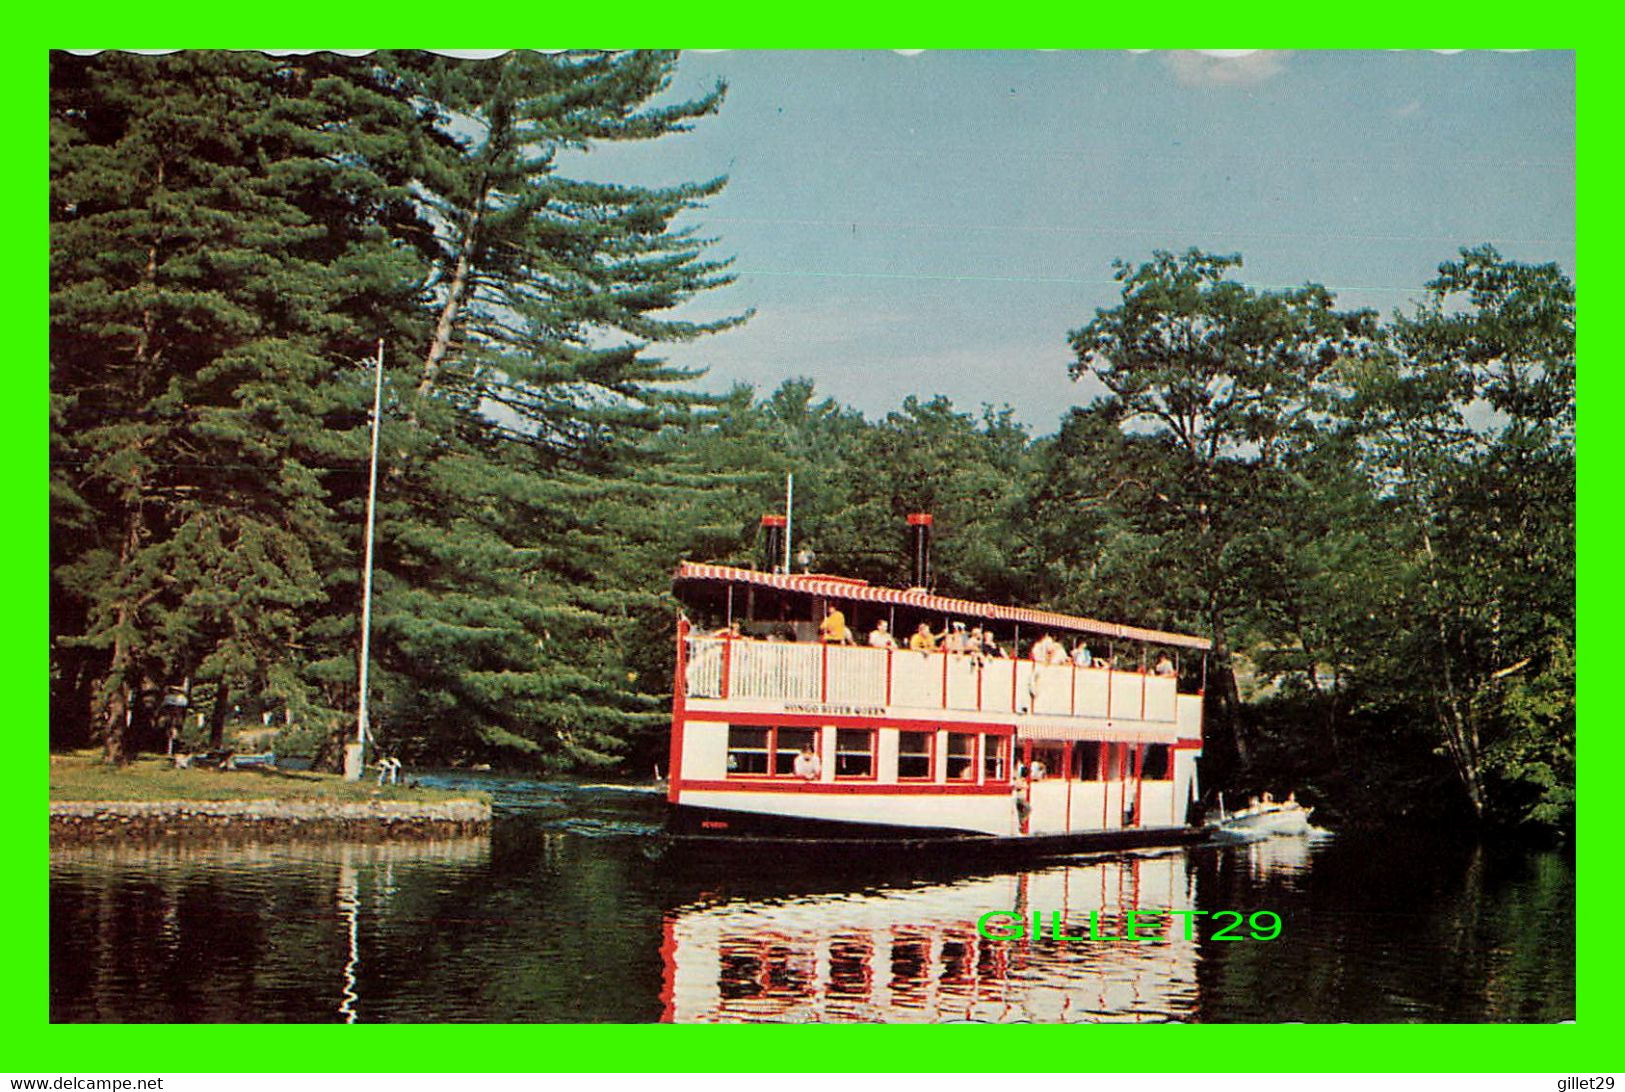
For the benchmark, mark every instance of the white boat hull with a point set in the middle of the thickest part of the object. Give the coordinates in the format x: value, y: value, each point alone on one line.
x: 1286, y: 820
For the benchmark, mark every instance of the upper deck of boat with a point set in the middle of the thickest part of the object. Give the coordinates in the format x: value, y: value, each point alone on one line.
x: 823, y: 587
x: 766, y: 674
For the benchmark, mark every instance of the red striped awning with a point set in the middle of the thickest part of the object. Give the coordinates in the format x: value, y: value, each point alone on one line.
x: 861, y: 591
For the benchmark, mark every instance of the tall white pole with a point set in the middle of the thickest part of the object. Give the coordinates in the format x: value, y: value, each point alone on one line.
x: 366, y: 579
x: 789, y: 515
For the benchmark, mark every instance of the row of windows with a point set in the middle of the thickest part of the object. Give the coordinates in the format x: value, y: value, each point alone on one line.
x: 772, y: 752
x: 1094, y: 761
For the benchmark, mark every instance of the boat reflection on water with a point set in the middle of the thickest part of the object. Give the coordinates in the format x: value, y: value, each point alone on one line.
x: 1280, y: 858
x: 915, y: 954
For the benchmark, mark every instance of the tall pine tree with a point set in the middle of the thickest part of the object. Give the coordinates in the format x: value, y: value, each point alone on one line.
x: 220, y: 257
x: 512, y: 481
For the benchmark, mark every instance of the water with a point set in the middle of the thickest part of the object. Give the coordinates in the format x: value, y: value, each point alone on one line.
x: 561, y: 915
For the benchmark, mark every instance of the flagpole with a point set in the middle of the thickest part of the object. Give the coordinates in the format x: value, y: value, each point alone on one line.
x: 789, y: 516
x: 352, y: 769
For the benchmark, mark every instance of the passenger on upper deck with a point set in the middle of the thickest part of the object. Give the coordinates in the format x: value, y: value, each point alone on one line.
x: 880, y: 636
x: 923, y: 640
x: 730, y: 630
x: 1165, y: 665
x: 1047, y: 650
x: 1081, y: 656
x: 956, y: 639
x: 832, y: 630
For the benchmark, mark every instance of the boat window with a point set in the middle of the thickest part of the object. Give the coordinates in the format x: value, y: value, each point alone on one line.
x: 747, y: 750
x: 1158, y: 766
x: 854, y: 752
x: 961, y: 756
x: 790, y: 742
x: 993, y: 759
x: 914, y: 755
x: 1086, y: 761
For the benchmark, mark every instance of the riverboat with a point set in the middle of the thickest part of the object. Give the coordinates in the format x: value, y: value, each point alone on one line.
x: 793, y: 736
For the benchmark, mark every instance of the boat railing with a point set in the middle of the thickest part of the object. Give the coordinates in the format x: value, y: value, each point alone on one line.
x: 744, y: 669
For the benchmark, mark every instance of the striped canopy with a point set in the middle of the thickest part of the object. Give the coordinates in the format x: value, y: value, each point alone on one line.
x: 841, y: 587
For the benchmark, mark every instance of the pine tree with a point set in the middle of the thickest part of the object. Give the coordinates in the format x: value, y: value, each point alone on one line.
x: 221, y: 254
x: 512, y: 475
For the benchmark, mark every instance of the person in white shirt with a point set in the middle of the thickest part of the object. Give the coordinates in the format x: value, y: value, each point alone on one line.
x: 1047, y: 650
x: 807, y: 766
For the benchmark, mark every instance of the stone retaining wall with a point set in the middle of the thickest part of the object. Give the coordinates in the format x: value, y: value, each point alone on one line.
x: 80, y: 820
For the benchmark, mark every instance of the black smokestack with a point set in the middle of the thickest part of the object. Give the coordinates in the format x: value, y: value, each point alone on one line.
x: 919, y: 547
x: 773, y: 542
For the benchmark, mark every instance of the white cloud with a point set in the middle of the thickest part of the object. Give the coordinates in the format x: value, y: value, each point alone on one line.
x: 1224, y: 67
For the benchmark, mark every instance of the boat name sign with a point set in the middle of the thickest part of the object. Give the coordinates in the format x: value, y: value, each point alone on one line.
x: 836, y: 710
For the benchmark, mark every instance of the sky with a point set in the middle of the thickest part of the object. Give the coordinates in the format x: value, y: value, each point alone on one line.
x: 936, y: 223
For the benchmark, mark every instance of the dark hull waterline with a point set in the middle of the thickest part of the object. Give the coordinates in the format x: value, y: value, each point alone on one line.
x: 696, y: 834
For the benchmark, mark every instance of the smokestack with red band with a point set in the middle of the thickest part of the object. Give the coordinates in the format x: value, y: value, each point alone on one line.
x: 919, y: 542
x: 773, y: 547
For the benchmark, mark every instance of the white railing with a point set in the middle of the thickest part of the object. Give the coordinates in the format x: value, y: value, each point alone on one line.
x: 771, y: 669
x: 745, y: 669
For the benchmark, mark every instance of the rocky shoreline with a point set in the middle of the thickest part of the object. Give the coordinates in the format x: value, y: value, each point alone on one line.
x: 89, y: 820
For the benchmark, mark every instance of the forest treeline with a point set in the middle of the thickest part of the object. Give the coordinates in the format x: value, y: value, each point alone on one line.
x: 1372, y: 517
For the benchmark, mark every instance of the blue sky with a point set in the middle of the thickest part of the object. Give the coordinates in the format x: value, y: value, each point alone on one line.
x: 937, y: 222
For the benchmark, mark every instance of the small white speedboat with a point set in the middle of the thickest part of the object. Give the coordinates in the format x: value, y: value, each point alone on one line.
x: 1269, y: 817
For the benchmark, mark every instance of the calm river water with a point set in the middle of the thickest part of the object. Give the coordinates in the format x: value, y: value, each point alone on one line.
x: 562, y: 915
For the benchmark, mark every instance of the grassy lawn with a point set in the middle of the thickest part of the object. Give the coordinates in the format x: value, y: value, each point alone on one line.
x: 81, y: 775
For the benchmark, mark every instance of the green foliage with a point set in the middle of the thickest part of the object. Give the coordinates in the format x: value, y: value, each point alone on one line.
x: 232, y: 234
x: 1375, y: 523
x: 1467, y: 429
x: 513, y: 577
x: 205, y: 290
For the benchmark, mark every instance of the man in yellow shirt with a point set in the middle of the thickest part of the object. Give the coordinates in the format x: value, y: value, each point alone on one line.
x: 832, y: 630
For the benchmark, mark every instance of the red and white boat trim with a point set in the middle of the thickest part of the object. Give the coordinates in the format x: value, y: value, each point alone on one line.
x: 918, y: 744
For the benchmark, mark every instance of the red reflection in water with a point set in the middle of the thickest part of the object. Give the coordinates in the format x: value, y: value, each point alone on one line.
x: 915, y: 955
